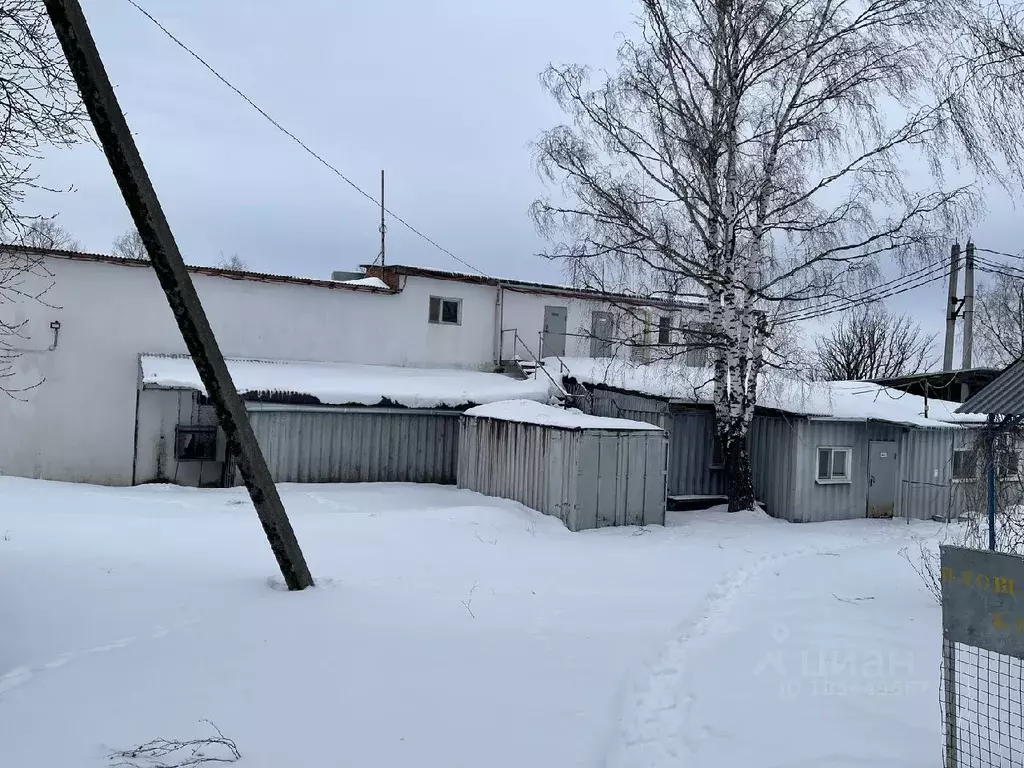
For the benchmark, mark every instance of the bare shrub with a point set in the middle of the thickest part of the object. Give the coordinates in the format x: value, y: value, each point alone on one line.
x: 172, y: 753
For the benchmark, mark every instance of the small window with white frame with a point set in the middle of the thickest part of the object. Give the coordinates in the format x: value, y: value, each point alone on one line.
x: 833, y: 465
x: 965, y: 465
x: 445, y: 311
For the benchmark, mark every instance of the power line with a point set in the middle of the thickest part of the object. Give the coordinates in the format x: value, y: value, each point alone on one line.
x: 912, y: 281
x: 999, y: 253
x: 300, y: 142
x: 839, y: 302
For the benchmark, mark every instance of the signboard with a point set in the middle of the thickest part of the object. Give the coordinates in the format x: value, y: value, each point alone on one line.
x: 981, y: 605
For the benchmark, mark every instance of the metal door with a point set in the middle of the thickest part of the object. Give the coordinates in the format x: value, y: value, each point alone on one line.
x: 881, y: 479
x: 602, y: 326
x: 553, y: 341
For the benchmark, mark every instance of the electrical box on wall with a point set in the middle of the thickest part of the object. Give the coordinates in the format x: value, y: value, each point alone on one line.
x: 197, y: 443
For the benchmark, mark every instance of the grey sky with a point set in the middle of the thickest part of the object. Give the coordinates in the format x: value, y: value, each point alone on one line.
x: 443, y: 94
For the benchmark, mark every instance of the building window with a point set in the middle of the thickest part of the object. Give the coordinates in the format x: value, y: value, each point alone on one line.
x: 665, y: 330
x: 640, y: 341
x: 964, y: 464
x: 834, y: 465
x: 195, y: 443
x: 445, y: 311
x: 698, y: 341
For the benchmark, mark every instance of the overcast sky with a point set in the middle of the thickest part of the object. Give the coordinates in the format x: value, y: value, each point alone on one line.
x: 443, y: 94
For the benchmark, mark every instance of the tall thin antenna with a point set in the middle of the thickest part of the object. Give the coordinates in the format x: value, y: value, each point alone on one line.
x: 383, y: 227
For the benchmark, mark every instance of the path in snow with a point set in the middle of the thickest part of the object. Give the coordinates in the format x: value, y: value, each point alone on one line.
x: 656, y: 727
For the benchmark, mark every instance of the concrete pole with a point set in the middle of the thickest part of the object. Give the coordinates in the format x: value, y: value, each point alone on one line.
x: 951, y: 308
x: 968, y: 353
x: 125, y: 161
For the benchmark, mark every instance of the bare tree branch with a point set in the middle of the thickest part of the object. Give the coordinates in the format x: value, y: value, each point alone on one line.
x: 129, y: 245
x: 39, y: 107
x: 999, y: 319
x: 235, y: 262
x: 172, y: 753
x: 873, y: 344
x: 767, y: 154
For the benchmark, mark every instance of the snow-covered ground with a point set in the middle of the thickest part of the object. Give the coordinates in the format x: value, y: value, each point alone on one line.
x: 450, y: 630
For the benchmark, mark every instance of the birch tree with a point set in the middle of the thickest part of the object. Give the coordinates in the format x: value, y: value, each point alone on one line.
x: 764, y: 153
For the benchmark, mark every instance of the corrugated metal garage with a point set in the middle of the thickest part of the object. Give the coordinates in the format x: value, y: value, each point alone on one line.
x: 895, y: 469
x: 587, y: 471
x: 316, y: 423
x: 306, y: 444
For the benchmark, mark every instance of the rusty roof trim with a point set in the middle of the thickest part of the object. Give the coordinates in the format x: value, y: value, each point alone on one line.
x: 231, y: 274
x: 525, y: 286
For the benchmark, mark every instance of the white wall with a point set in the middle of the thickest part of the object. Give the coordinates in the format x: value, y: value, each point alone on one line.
x: 525, y: 313
x: 79, y: 423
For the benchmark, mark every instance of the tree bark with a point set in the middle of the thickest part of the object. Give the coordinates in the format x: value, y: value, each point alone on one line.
x: 739, y: 481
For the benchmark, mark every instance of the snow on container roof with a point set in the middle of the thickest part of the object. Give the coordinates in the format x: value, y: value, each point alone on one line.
x: 349, y: 383
x: 532, y: 412
x: 842, y: 400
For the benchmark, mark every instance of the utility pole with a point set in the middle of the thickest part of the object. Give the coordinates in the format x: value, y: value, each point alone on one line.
x: 952, y: 308
x: 383, y: 228
x: 968, y: 317
x: 126, y: 163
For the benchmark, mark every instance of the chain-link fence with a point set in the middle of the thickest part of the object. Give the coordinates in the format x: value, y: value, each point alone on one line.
x: 983, y: 648
x: 982, y: 692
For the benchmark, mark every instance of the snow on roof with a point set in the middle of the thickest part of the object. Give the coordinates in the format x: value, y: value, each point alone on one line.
x: 366, y: 282
x: 350, y: 383
x: 531, y: 412
x: 846, y: 400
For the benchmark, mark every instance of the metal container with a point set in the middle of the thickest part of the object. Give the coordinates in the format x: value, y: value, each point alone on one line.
x: 587, y: 478
x: 320, y: 444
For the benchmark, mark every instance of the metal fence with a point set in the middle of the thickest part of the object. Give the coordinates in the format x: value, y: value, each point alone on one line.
x: 983, y: 658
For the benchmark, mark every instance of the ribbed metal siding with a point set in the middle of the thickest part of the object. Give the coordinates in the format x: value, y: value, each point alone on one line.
x: 358, y: 445
x: 1004, y: 396
x: 587, y: 479
x: 691, y: 442
x: 773, y: 453
x: 600, y: 402
x: 928, y: 485
x: 815, y: 502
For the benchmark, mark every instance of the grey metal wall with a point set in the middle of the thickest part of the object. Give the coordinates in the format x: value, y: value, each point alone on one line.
x: 927, y: 478
x: 773, y: 457
x: 601, y: 402
x: 308, y: 444
x: 783, y: 454
x: 586, y: 478
x: 815, y: 502
x: 533, y: 465
x: 691, y: 446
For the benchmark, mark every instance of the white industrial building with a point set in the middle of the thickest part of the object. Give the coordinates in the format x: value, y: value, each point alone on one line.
x: 81, y: 410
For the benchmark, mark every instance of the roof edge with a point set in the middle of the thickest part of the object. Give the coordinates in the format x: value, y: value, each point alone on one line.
x: 231, y: 274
